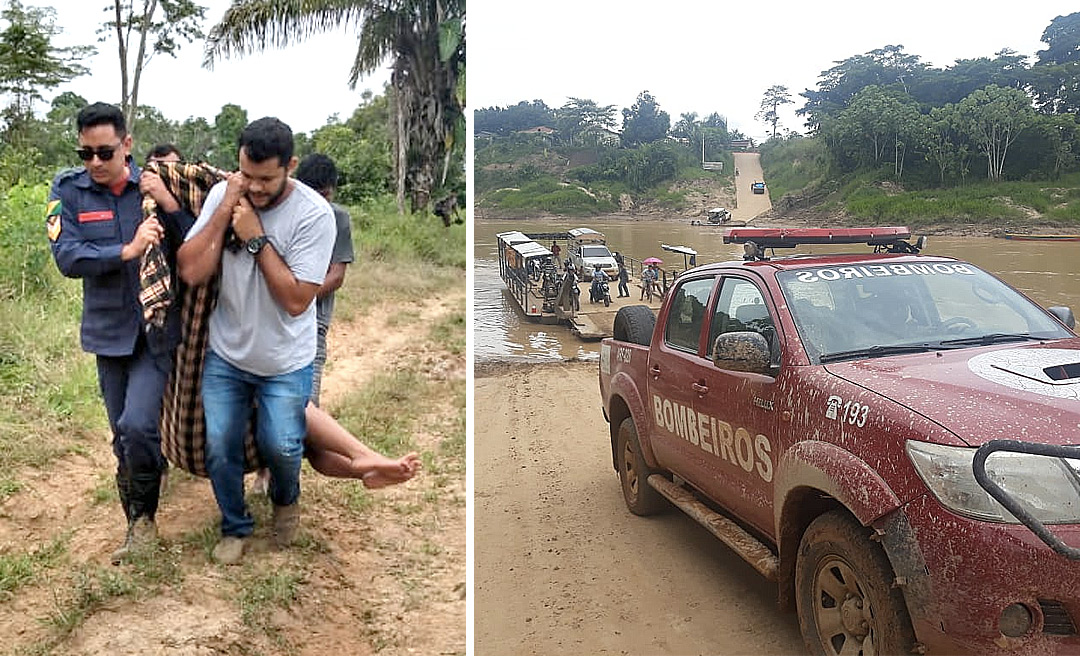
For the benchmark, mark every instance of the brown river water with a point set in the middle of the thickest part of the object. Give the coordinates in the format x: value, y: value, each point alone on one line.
x: 1048, y: 272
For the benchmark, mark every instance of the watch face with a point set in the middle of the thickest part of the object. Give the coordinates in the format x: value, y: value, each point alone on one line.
x: 255, y: 245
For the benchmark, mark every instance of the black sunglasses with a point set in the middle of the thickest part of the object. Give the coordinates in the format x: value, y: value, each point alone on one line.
x: 104, y: 154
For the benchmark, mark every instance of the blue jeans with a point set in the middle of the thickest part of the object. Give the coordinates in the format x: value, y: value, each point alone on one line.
x: 280, y: 426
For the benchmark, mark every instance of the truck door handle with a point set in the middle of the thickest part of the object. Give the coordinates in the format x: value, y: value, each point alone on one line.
x: 655, y: 370
x: 700, y: 388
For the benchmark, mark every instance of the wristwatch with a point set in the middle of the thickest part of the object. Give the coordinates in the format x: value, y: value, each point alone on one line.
x: 255, y: 244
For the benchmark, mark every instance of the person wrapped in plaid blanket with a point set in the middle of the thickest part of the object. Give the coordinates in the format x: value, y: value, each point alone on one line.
x: 330, y: 448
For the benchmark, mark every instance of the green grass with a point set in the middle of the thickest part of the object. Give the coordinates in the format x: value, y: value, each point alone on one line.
x: 546, y: 194
x: 89, y: 588
x: 449, y: 333
x: 261, y: 592
x: 21, y: 568
x: 382, y: 412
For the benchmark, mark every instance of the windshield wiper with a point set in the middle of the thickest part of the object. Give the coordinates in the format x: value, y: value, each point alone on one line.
x: 994, y: 338
x: 878, y: 351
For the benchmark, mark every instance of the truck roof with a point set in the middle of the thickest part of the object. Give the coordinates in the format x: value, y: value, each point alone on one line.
x: 811, y: 260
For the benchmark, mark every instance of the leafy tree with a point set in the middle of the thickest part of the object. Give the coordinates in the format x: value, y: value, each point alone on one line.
x: 228, y: 125
x: 775, y: 96
x: 424, y: 38
x: 993, y: 119
x: 195, y: 138
x: 30, y: 64
x: 361, y: 149
x: 1062, y: 133
x: 686, y: 127
x: 715, y: 120
x: 1056, y: 87
x: 521, y: 116
x: 1062, y: 39
x: 141, y: 33
x: 838, y: 85
x: 944, y: 145
x: 882, y: 124
x: 644, y: 122
x: 581, y: 118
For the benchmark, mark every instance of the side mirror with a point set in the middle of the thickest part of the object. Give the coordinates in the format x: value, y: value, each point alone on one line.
x: 1064, y: 315
x: 742, y: 351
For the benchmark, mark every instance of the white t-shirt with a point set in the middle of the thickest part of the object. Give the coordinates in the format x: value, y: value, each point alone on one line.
x: 248, y: 328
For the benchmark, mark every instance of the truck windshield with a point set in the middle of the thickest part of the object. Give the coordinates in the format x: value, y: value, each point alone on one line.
x: 595, y: 251
x: 857, y: 311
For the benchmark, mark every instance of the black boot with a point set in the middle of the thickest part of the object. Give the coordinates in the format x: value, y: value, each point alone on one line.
x: 143, y: 493
x: 123, y: 488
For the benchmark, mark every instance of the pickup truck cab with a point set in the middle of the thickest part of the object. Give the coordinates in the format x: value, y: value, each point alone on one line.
x: 883, y: 434
x: 587, y: 249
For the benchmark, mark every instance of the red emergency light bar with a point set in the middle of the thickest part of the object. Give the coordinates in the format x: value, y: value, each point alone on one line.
x: 792, y: 237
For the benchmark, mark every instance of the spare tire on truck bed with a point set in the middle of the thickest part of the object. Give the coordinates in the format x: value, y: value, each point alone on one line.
x: 634, y: 324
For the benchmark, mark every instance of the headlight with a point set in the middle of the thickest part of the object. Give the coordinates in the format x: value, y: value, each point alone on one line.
x: 1046, y: 487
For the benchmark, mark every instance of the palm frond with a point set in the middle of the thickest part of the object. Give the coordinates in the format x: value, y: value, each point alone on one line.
x: 252, y: 25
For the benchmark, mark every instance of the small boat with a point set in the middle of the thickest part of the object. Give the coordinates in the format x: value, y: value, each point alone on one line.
x: 1022, y: 237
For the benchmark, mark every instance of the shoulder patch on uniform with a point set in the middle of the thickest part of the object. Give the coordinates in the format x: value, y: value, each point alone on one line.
x: 53, y: 208
x: 52, y: 222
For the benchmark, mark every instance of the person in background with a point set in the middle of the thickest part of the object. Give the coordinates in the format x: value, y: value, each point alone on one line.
x: 624, y: 279
x: 319, y: 172
x: 555, y: 249
x: 165, y: 152
x: 97, y: 233
x: 649, y: 278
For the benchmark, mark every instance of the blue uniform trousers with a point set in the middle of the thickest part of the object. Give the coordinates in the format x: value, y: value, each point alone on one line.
x: 132, y: 386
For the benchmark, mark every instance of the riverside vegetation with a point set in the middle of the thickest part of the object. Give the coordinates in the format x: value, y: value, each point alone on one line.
x: 991, y: 142
x: 369, y: 564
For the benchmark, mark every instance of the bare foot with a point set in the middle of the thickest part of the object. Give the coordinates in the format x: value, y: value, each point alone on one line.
x: 383, y: 471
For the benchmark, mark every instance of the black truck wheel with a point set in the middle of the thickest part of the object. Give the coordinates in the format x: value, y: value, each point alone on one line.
x: 844, y: 592
x: 634, y: 324
x: 640, y: 497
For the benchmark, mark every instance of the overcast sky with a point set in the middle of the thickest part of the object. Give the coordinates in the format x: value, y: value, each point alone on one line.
x: 710, y: 55
x: 302, y: 85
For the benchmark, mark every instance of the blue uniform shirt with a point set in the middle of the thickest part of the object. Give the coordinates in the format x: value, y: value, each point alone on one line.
x: 88, y: 226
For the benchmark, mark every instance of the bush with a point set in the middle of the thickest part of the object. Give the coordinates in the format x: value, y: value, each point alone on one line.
x: 25, y: 261
x: 380, y: 233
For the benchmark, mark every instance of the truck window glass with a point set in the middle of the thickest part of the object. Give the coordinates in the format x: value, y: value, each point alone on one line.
x: 741, y: 307
x: 840, y: 309
x: 687, y: 314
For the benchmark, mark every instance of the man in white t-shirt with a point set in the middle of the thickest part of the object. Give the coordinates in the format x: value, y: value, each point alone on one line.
x: 272, y: 239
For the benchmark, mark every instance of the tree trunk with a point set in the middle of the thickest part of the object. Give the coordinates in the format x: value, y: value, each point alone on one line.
x: 400, y: 143
x: 144, y: 29
x: 121, y: 44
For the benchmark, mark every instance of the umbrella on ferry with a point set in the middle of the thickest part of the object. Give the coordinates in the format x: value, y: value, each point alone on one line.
x: 652, y: 260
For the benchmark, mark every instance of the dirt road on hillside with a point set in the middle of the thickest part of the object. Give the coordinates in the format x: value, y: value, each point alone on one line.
x: 748, y: 204
x: 560, y: 564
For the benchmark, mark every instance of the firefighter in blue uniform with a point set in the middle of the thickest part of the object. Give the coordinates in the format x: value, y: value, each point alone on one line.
x: 97, y: 233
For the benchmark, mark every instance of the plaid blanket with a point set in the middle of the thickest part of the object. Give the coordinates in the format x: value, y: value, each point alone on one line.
x: 183, y: 424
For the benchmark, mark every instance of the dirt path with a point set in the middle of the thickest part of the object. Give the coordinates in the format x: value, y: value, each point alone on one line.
x: 374, y: 572
x: 560, y: 565
x: 748, y: 204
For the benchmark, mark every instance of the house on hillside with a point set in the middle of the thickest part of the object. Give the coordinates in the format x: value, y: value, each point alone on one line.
x: 541, y: 133
x: 600, y: 136
x: 540, y: 129
x: 742, y: 144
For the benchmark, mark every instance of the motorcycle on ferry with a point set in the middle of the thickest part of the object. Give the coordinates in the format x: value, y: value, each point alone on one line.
x: 598, y: 290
